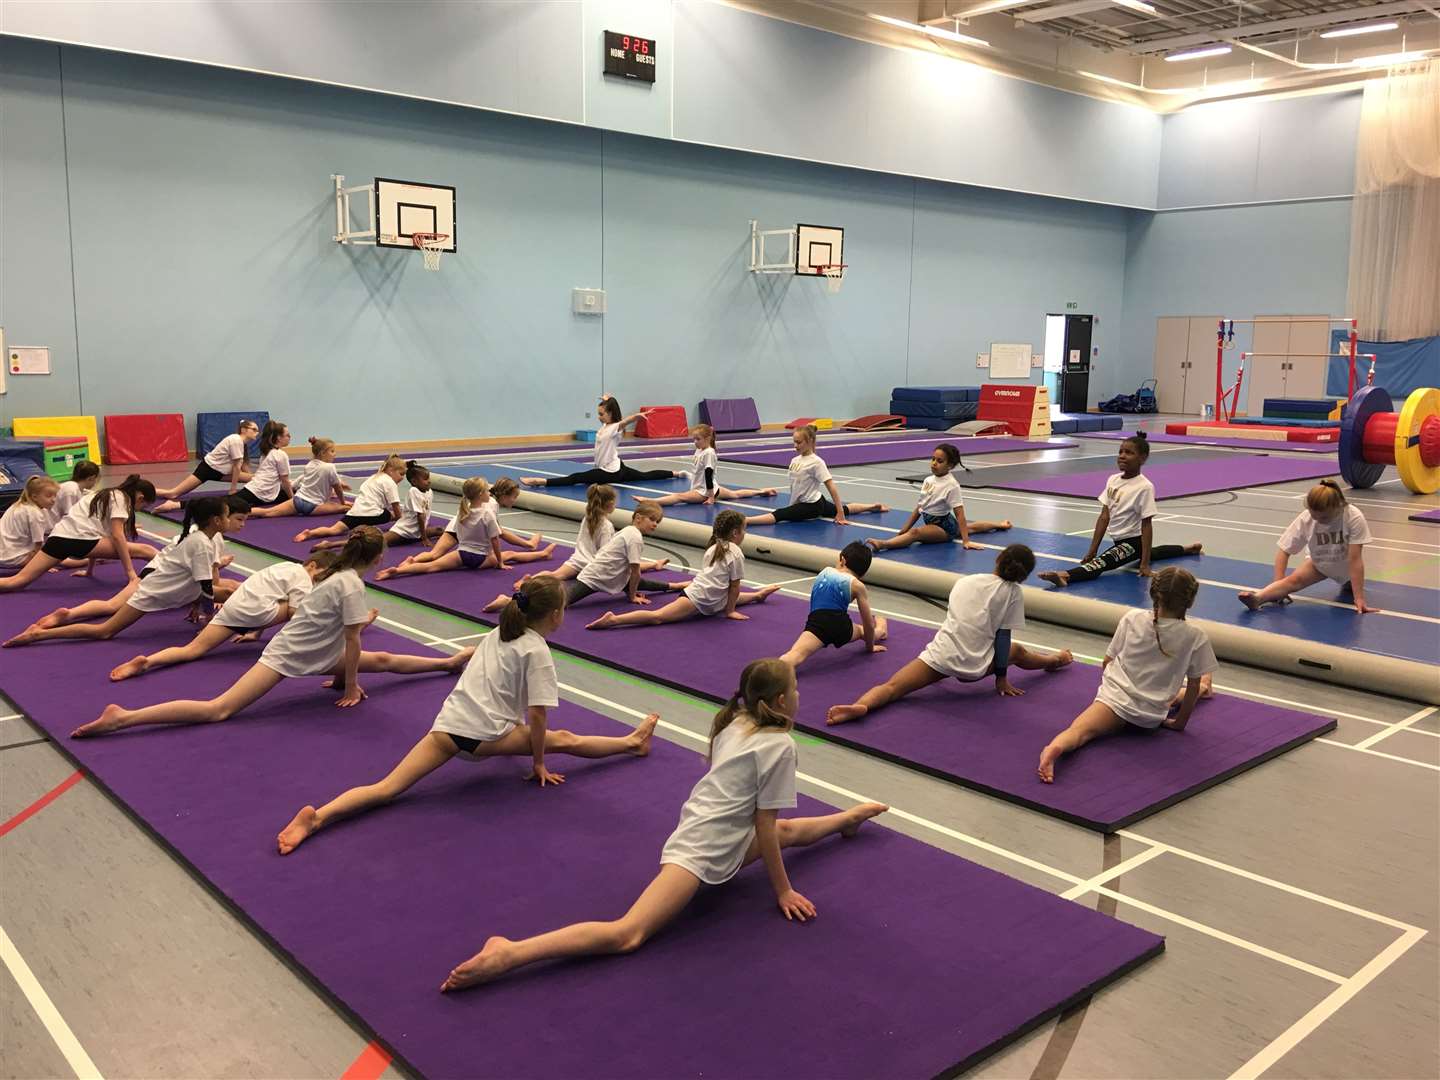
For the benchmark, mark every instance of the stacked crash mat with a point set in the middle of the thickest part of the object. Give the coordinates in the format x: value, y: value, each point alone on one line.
x: 935, y: 408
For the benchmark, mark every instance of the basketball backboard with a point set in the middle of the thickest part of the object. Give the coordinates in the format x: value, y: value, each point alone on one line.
x: 818, y: 246
x: 405, y: 207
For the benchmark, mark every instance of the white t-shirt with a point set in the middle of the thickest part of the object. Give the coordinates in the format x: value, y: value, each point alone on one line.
x: 1130, y: 502
x: 313, y: 641
x: 414, y: 514
x: 173, y: 577
x: 264, y: 483
x: 940, y: 495
x: 80, y: 524
x: 587, y: 545
x: 479, y: 528
x: 223, y: 456
x: 711, y: 588
x: 609, y: 570
x: 750, y: 769
x: 22, y: 527
x: 70, y: 493
x: 501, y: 681
x: 377, y: 494
x: 1327, y: 542
x: 217, y: 542
x: 702, y: 460
x: 607, y: 448
x: 981, y: 605
x: 807, y: 478
x: 1140, y: 680
x: 257, y: 601
x: 318, y: 482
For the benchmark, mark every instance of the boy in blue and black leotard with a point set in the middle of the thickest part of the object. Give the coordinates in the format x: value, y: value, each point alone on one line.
x: 829, y: 623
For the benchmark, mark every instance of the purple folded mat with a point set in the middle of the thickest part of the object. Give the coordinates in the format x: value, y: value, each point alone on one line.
x: 1111, y: 784
x: 947, y: 961
x: 1174, y: 480
x: 1428, y: 515
x: 906, y: 448
x: 1218, y: 440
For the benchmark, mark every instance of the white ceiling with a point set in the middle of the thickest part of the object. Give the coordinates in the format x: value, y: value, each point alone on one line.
x: 1116, y: 49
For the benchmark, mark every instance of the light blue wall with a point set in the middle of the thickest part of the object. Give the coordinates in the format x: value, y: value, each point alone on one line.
x: 1259, y: 150
x: 205, y: 277
x: 1285, y: 258
x: 725, y: 77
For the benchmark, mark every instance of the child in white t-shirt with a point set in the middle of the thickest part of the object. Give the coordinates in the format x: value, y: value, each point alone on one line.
x: 83, y: 478
x: 1127, y: 507
x: 608, y: 469
x: 266, y: 598
x: 499, y: 708
x: 972, y: 643
x: 225, y: 461
x: 616, y: 567
x: 269, y: 484
x: 1151, y: 654
x: 1333, y: 535
x: 322, y: 638
x: 472, y: 539
x: 376, y: 503
x: 715, y: 590
x: 26, y: 521
x: 809, y: 482
x: 413, y: 525
x: 730, y: 819
x: 940, y: 510
x: 319, y: 489
x: 183, y: 575
x: 101, y: 525
x: 704, y: 488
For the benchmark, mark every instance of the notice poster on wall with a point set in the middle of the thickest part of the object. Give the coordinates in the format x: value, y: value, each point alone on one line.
x: 1010, y: 361
x: 28, y: 360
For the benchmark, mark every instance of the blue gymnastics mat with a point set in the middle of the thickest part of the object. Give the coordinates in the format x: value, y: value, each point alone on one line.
x: 1384, y: 634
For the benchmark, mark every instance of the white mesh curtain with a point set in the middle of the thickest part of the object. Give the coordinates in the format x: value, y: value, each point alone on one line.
x: 1395, y: 225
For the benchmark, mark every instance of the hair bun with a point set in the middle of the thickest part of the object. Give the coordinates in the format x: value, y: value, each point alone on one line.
x: 522, y: 599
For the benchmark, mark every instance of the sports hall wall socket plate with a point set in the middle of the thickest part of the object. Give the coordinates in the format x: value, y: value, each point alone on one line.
x: 587, y: 301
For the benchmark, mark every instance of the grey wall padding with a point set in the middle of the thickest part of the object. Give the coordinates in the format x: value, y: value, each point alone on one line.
x: 1256, y: 648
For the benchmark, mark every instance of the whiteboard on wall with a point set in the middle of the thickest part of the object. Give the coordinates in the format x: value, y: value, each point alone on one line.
x: 1009, y: 361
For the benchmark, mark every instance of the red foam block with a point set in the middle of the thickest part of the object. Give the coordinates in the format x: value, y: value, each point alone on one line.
x: 145, y: 437
x: 662, y: 422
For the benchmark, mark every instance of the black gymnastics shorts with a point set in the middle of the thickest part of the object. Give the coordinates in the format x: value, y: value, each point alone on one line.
x: 831, y: 627
x: 255, y: 500
x: 204, y: 473
x: 351, y: 521
x: 806, y: 511
x: 64, y: 547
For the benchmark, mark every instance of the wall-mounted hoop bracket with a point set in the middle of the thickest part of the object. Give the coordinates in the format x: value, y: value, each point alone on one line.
x: 344, y: 234
x: 762, y: 243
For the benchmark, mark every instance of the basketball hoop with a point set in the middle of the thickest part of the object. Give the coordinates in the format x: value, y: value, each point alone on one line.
x: 431, y: 244
x: 834, y: 274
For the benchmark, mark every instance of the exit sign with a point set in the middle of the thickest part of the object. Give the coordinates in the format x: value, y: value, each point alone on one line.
x: 1072, y: 305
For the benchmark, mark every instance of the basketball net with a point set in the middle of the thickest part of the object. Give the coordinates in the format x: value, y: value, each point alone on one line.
x: 431, y: 246
x: 834, y: 276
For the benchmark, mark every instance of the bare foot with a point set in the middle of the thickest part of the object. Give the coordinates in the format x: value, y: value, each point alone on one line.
x: 386, y: 574
x: 1194, y: 549
x: 1249, y: 600
x: 841, y: 714
x: 659, y: 564
x: 498, y: 603
x: 29, y: 634
x: 768, y: 591
x: 301, y: 826
x: 882, y: 628
x: 109, y: 720
x: 249, y: 635
x: 301, y: 536
x: 165, y: 507
x: 489, y: 963
x: 1046, y: 768
x: 534, y: 542
x: 1059, y: 578
x: 872, y: 544
x: 858, y: 815
x: 533, y: 481
x: 58, y: 617
x: 546, y: 551
x: 1064, y: 658
x: 604, y: 622
x: 769, y: 493
x: 640, y: 738
x: 130, y: 669
x: 1006, y: 524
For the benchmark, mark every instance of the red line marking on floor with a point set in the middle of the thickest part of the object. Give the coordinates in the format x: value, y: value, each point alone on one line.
x: 44, y: 801
x: 373, y: 1061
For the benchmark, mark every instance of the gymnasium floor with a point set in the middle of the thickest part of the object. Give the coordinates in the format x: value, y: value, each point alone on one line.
x: 1300, y: 901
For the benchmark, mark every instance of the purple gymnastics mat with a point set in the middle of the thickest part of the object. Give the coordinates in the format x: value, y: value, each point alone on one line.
x: 1428, y: 515
x: 950, y: 960
x: 965, y: 734
x: 1176, y: 480
x: 1218, y: 440
x: 904, y: 448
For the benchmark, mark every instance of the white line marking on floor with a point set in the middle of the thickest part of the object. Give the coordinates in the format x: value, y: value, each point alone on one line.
x: 1401, y: 725
x: 45, y: 1009
x: 1114, y: 872
x: 1377, y: 753
x: 11, y: 716
x: 1307, y: 1024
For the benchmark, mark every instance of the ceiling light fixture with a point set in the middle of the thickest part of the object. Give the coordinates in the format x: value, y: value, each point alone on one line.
x: 1197, y: 54
x: 1387, y: 59
x: 1137, y: 5
x: 1351, y: 31
x: 931, y: 31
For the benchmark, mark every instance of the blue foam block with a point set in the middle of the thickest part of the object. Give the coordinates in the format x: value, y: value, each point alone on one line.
x: 1063, y: 427
x: 1111, y: 423
x: 211, y: 427
x: 935, y: 393
x: 931, y: 408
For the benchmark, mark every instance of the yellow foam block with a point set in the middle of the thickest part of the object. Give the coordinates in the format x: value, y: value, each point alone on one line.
x: 823, y: 423
x: 50, y: 427
x: 1335, y: 412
